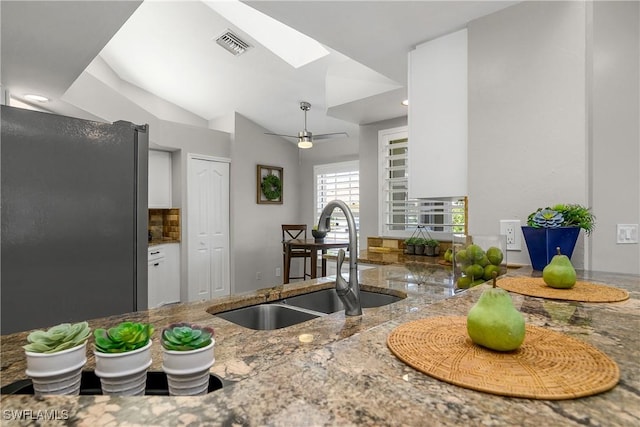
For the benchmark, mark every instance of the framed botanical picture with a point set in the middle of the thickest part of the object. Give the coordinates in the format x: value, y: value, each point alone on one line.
x: 269, y: 184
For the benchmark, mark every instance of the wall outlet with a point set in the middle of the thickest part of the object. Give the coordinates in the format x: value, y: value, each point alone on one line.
x: 278, y: 273
x: 511, y: 229
x: 627, y: 233
x: 258, y: 275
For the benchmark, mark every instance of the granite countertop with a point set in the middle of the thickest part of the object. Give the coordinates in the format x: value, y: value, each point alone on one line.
x: 347, y: 375
x: 367, y: 256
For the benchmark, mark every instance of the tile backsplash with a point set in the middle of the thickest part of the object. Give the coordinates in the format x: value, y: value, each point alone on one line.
x: 164, y: 224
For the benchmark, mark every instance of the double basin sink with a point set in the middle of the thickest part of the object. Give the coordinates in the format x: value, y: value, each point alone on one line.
x: 298, y: 309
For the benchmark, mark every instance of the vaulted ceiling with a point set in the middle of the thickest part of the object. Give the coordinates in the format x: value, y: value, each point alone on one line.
x: 168, y: 48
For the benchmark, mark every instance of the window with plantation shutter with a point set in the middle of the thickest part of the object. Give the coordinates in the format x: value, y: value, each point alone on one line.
x: 398, y: 214
x: 338, y: 181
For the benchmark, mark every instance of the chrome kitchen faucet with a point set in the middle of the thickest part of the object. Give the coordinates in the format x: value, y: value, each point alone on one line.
x: 348, y: 292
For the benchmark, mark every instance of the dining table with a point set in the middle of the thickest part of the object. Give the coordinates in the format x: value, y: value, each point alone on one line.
x: 313, y: 246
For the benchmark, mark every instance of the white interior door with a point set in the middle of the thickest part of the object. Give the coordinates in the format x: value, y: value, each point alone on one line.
x: 208, y: 229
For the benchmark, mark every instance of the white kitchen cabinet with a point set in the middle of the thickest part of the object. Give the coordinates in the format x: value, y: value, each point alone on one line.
x: 438, y: 118
x: 164, y: 274
x: 159, y: 179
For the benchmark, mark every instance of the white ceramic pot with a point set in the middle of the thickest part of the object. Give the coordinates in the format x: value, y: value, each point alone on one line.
x: 124, y: 374
x: 57, y: 373
x: 188, y: 371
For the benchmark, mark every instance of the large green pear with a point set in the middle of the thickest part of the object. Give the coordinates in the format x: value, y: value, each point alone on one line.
x: 494, y: 322
x: 559, y: 273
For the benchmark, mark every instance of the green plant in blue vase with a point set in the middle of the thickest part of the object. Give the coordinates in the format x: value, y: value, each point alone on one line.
x: 563, y: 215
x: 555, y: 226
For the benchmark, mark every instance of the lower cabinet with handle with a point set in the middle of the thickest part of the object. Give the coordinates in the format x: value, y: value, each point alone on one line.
x: 164, y: 274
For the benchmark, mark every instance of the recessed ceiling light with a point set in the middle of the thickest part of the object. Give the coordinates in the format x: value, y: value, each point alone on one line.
x: 37, y: 98
x: 405, y: 102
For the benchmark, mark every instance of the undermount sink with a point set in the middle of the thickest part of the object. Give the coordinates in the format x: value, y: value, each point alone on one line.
x: 298, y: 309
x: 267, y: 317
x: 327, y: 301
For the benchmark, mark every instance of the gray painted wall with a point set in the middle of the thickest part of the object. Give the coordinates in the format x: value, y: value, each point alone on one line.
x: 256, y: 233
x: 527, y: 142
x: 615, y: 132
x: 530, y: 142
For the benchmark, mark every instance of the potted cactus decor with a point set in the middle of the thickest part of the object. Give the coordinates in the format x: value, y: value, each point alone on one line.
x: 123, y: 355
x: 552, y: 227
x: 187, y: 355
x: 55, y: 358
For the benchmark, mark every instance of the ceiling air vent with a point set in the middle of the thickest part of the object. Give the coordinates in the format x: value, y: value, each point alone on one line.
x: 233, y: 43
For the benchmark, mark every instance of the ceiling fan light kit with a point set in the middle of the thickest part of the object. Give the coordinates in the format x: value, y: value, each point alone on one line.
x: 305, y: 138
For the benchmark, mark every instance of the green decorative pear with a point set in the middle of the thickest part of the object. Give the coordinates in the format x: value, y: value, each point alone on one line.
x: 559, y: 273
x: 493, y: 322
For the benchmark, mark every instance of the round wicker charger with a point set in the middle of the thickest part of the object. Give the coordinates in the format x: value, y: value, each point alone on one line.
x: 581, y: 291
x: 548, y: 365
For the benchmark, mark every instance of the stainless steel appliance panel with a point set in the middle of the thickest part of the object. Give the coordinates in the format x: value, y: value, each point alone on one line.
x: 73, y: 205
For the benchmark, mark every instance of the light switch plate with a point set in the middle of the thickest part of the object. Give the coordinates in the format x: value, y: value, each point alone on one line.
x: 627, y: 233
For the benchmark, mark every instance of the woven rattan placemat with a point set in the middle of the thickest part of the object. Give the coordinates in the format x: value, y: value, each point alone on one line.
x: 581, y: 291
x: 548, y: 365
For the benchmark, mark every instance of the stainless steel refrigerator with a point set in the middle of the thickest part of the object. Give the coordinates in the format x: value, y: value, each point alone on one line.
x: 74, y: 219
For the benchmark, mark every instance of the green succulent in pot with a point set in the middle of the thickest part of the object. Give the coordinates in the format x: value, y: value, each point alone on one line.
x: 57, y: 338
x: 185, y: 337
x: 547, y: 218
x: 127, y: 336
x: 563, y: 215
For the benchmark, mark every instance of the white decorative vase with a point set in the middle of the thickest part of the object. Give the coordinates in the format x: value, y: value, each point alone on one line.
x: 124, y: 374
x: 188, y: 371
x: 57, y: 373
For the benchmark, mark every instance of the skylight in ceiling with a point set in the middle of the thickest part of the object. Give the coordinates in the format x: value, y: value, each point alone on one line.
x: 292, y: 46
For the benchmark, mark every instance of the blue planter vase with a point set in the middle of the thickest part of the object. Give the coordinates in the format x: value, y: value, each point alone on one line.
x: 542, y: 243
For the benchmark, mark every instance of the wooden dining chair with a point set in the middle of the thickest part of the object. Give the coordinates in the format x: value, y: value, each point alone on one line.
x: 290, y: 232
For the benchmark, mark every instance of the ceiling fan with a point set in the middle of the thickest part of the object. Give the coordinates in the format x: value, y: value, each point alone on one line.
x: 306, y: 138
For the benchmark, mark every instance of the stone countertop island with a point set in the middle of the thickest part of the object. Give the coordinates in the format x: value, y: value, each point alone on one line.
x: 346, y: 375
